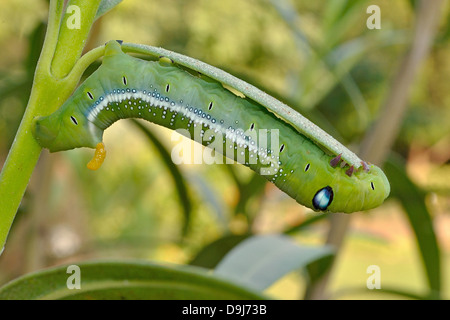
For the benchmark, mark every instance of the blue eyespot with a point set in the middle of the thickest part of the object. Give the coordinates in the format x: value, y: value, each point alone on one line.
x: 323, y: 198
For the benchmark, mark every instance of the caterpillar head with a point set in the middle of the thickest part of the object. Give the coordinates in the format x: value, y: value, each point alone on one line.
x: 376, y: 187
x: 362, y: 191
x: 66, y: 129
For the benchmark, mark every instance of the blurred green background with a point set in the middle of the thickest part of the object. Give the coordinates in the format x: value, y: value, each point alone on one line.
x: 317, y: 56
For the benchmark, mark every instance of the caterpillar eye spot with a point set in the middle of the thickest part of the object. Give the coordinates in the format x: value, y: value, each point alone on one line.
x: 307, y: 167
x: 372, y: 186
x: 323, y: 198
x: 90, y: 95
x: 74, y: 120
x: 124, y: 80
x: 210, y: 105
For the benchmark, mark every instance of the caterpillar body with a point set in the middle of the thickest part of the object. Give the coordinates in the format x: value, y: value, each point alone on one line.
x: 163, y: 93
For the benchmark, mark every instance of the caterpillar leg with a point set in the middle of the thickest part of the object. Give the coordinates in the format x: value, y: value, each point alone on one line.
x: 365, y: 166
x: 335, y: 161
x: 99, y: 157
x: 350, y: 171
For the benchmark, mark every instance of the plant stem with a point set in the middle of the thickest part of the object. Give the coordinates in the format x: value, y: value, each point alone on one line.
x: 72, y: 37
x: 47, y: 94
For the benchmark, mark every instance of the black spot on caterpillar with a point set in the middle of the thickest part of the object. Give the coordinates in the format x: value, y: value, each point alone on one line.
x: 163, y: 93
x: 74, y: 120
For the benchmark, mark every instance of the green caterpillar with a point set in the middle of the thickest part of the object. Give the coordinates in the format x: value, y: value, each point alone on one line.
x: 163, y: 93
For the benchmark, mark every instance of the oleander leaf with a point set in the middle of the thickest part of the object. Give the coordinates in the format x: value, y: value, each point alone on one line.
x: 261, y: 260
x: 125, y: 280
x: 412, y: 199
x: 181, y: 185
x: 105, y: 6
x: 213, y: 253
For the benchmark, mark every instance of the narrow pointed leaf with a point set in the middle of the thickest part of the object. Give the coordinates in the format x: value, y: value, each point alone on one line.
x: 105, y: 6
x: 177, y: 176
x: 413, y: 201
x: 213, y: 253
x: 124, y: 280
x: 261, y: 260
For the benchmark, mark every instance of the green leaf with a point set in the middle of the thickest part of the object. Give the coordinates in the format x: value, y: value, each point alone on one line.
x: 261, y: 260
x: 306, y: 223
x: 180, y: 183
x: 253, y: 188
x: 382, y: 293
x: 213, y: 253
x: 413, y: 201
x: 125, y: 280
x: 247, y: 190
x: 210, y: 197
x: 105, y: 6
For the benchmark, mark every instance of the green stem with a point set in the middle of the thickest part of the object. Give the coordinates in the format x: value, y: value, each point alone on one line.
x: 51, y: 36
x: 84, y: 62
x: 72, y: 37
x: 62, y: 48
